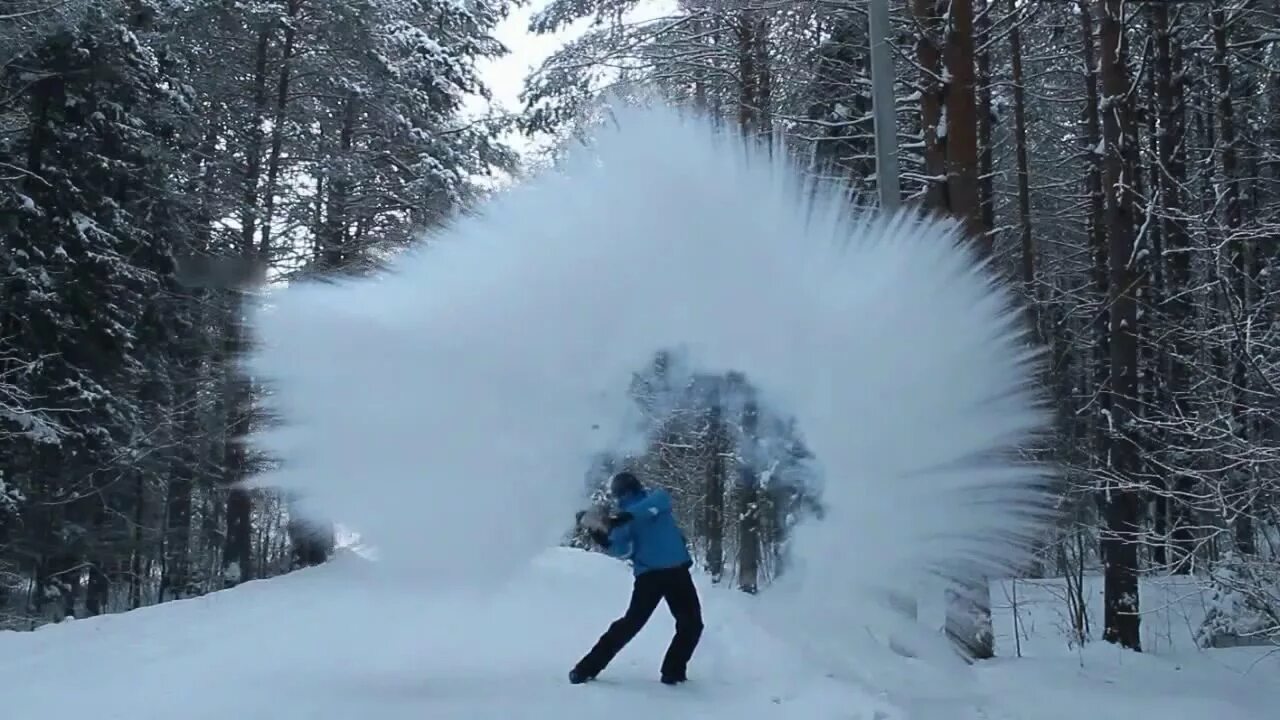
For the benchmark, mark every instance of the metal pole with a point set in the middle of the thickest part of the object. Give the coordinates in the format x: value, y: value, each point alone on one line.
x: 882, y: 106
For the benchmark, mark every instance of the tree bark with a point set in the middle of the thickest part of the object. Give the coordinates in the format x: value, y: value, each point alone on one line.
x: 279, y: 122
x: 1173, y: 262
x: 238, y: 542
x: 1176, y: 299
x: 748, y: 96
x: 748, y: 504
x: 929, y: 59
x: 714, y: 484
x: 1120, y: 542
x: 963, y: 187
x: 334, y: 250
x: 1091, y: 139
x: 1235, y: 295
x: 986, y: 161
x: 1023, y: 164
x: 764, y: 79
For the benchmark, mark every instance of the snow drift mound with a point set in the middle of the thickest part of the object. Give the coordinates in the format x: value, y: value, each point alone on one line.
x: 447, y: 409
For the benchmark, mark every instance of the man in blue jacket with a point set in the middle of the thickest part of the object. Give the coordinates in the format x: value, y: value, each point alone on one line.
x: 645, y: 532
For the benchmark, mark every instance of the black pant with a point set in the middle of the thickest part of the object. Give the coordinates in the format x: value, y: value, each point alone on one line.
x: 675, y: 585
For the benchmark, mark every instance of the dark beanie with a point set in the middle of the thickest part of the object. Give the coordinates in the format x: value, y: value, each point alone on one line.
x: 624, y: 483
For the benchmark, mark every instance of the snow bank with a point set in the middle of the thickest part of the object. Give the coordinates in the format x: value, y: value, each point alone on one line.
x: 448, y: 409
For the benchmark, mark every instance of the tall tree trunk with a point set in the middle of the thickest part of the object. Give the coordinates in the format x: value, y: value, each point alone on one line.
x: 1147, y: 236
x: 1123, y: 510
x: 175, y: 575
x: 279, y: 123
x: 970, y: 198
x: 252, y: 176
x: 334, y: 250
x: 929, y: 59
x: 764, y: 78
x: 98, y: 559
x: 748, y: 496
x: 138, y: 549
x: 175, y: 579
x: 1167, y: 180
x: 749, y: 78
x: 313, y: 541
x: 238, y: 543
x: 1023, y: 164
x: 1091, y: 139
x: 1176, y: 299
x: 986, y: 152
x: 962, y: 125
x: 715, y: 483
x: 1234, y: 291
x: 699, y: 74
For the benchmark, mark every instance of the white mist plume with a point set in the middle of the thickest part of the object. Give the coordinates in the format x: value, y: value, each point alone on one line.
x: 449, y: 408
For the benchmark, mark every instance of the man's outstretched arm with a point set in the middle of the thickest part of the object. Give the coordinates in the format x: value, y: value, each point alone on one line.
x: 619, y: 542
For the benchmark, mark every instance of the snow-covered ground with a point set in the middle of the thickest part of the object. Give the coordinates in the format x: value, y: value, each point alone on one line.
x: 347, y: 640
x: 1174, y: 608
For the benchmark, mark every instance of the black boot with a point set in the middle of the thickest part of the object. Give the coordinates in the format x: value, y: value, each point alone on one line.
x: 673, y: 679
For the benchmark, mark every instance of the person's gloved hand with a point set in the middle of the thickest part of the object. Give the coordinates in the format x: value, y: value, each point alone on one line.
x: 621, y: 518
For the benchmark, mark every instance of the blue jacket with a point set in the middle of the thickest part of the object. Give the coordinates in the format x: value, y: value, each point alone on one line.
x: 651, y: 540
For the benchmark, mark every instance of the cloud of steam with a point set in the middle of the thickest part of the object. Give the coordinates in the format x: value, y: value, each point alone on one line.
x: 448, y: 408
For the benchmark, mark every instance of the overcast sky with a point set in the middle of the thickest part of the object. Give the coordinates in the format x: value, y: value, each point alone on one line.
x: 505, y: 76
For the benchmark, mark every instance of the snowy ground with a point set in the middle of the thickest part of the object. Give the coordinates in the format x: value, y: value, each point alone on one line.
x: 343, y: 641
